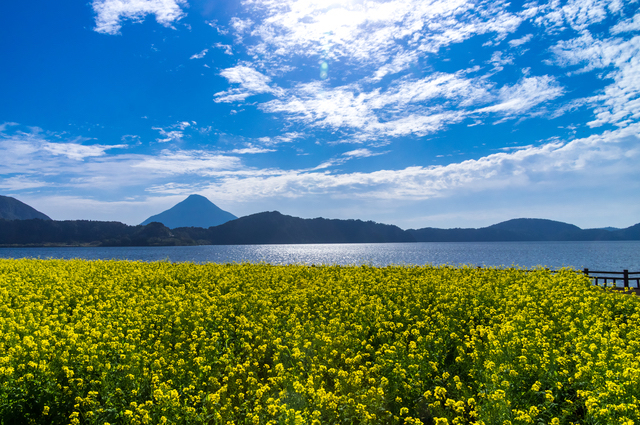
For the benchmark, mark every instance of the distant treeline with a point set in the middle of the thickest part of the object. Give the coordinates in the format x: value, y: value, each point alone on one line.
x: 276, y: 228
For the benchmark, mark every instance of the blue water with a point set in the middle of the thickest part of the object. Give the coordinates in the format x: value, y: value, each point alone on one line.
x: 601, y: 255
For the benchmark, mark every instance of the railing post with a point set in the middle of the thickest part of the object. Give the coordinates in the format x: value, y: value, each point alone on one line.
x: 626, y: 278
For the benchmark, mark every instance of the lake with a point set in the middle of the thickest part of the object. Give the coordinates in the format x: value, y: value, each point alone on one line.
x: 600, y: 255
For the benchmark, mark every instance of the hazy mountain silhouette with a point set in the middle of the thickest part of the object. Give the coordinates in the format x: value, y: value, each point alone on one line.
x: 521, y: 229
x: 195, y: 211
x: 12, y: 209
x: 534, y: 229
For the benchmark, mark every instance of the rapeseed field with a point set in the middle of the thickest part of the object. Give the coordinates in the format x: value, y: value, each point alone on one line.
x: 116, y: 342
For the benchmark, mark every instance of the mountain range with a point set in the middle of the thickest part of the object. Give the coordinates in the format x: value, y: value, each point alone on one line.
x: 269, y: 228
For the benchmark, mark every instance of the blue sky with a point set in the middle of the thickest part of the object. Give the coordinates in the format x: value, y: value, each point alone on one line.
x: 447, y: 113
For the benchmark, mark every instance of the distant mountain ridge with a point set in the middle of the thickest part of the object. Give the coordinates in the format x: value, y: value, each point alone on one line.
x: 12, y: 209
x: 266, y: 228
x: 195, y: 211
x: 276, y: 228
x: 524, y: 229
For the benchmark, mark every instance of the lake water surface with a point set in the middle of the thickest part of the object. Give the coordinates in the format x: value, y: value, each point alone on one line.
x: 601, y: 255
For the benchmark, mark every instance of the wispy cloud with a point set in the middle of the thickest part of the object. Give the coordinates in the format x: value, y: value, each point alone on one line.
x: 250, y: 81
x: 77, y: 151
x: 383, y: 40
x: 619, y: 102
x: 173, y: 133
x: 251, y: 150
x: 283, y: 138
x: 169, y: 136
x: 111, y: 13
x: 410, y: 106
x: 575, y: 14
x: 21, y: 182
x: 17, y: 146
x: 525, y: 95
x: 498, y: 61
x: 520, y: 41
x: 33, y: 159
x: 368, y: 34
x: 628, y: 25
x: 199, y: 55
x: 362, y: 153
x: 228, y: 49
x: 610, y: 153
x: 181, y: 162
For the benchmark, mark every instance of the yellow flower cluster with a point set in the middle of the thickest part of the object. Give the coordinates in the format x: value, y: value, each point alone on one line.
x: 118, y: 342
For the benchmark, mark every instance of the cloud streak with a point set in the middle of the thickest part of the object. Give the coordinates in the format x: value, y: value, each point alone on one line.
x: 542, y: 165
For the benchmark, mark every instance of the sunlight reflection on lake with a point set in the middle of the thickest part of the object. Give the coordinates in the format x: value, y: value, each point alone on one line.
x: 600, y: 255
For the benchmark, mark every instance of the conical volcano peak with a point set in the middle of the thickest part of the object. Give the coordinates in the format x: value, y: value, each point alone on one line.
x: 194, y: 211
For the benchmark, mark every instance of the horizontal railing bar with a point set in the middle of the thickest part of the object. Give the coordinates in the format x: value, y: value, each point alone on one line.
x: 629, y: 273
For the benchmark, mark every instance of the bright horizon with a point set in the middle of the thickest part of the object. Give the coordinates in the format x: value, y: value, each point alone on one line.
x: 414, y: 113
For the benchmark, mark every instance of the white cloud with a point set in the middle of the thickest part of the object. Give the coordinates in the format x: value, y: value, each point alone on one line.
x: 173, y: 188
x: 219, y: 29
x: 399, y: 63
x: 498, y: 61
x: 629, y: 25
x: 362, y: 153
x: 619, y: 102
x: 110, y: 13
x: 283, y: 138
x: 241, y: 25
x: 174, y: 133
x: 5, y: 125
x: 21, y: 182
x: 375, y: 114
x: 384, y: 36
x: 228, y: 50
x: 32, y: 160
x: 576, y: 14
x: 77, y: 151
x: 410, y: 106
x: 551, y: 164
x: 381, y: 39
x: 251, y: 82
x: 181, y: 162
x: 520, y: 41
x: 169, y: 136
x: 251, y: 150
x: 525, y: 95
x: 199, y: 55
x: 22, y: 151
